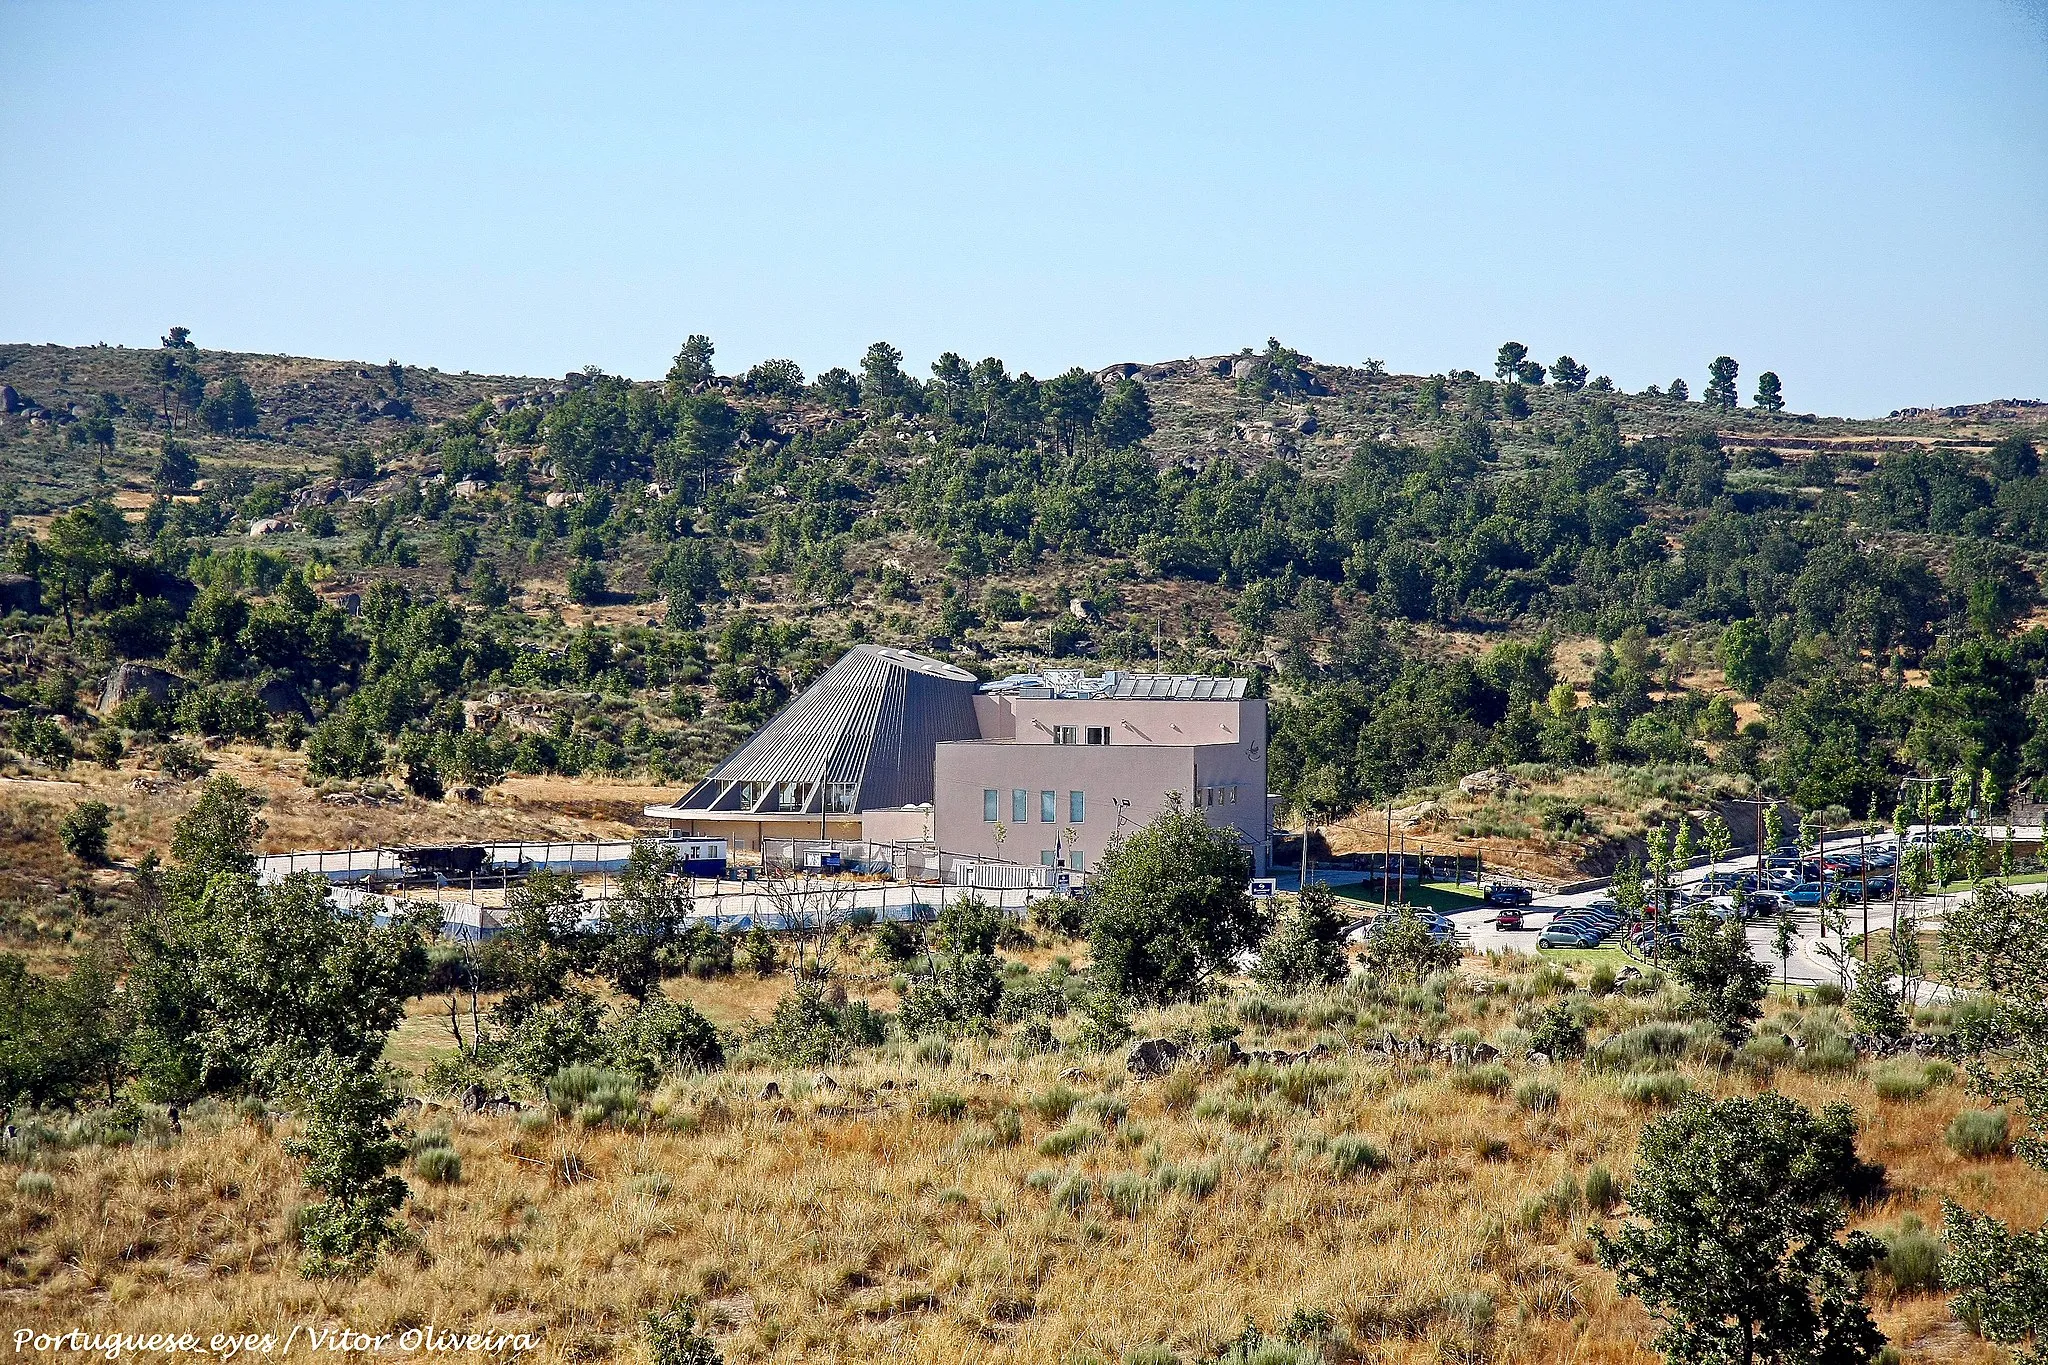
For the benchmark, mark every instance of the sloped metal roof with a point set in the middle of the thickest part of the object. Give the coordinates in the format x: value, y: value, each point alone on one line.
x: 874, y: 720
x: 1071, y: 684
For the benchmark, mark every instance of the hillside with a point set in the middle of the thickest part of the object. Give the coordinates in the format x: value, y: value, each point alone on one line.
x: 1431, y: 574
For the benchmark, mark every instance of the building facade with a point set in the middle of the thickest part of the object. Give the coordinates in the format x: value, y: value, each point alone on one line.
x: 1064, y: 762
x: 1045, y: 768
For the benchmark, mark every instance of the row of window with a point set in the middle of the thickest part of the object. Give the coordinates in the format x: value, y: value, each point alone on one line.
x: 1020, y: 806
x: 1224, y: 794
x: 1071, y: 734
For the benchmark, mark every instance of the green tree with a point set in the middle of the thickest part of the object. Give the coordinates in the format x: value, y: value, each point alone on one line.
x: 84, y: 831
x: 242, y: 983
x: 1735, y: 1242
x: 1678, y: 392
x: 1126, y: 416
x: 1770, y: 393
x: 692, y: 368
x: 586, y: 583
x: 673, y: 1338
x: 349, y: 1141
x: 2014, y: 457
x: 1999, y: 1279
x: 1305, y: 949
x: 217, y: 837
x: 1568, y: 374
x: 1170, y: 907
x: 1720, y: 391
x: 1403, y: 948
x: 1726, y: 982
x: 1873, y: 1004
x: 176, y: 467
x: 645, y: 922
x: 885, y: 389
x: 1746, y: 657
x: 1508, y: 361
x: 231, y: 407
x: 1073, y: 400
x: 344, y: 745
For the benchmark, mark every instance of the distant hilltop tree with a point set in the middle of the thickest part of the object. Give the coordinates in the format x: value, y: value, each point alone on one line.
x: 1720, y: 390
x: 1770, y: 394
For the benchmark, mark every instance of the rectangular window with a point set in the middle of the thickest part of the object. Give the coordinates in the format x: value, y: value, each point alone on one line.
x: 991, y: 805
x: 1048, y: 807
x: 1045, y: 857
x: 1098, y: 734
x: 1077, y: 808
x: 786, y: 795
x: 1020, y: 805
x: 1065, y: 734
x: 1233, y: 793
x: 1074, y: 859
x: 839, y: 797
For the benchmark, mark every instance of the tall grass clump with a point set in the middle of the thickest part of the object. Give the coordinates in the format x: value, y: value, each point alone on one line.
x: 1654, y: 1089
x: 1978, y: 1133
x: 593, y: 1094
x: 1055, y: 1104
x: 1490, y: 1079
x: 1912, y: 1258
x: 1536, y: 1094
x: 1354, y: 1155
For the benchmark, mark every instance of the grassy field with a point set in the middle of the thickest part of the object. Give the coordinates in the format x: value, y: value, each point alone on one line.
x: 940, y: 1205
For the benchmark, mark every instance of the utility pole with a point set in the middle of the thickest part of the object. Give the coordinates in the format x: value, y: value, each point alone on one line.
x: 1387, y: 856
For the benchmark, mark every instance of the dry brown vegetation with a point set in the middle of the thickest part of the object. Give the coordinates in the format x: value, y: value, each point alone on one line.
x: 984, y: 1207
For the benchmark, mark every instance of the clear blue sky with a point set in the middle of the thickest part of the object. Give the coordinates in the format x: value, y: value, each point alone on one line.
x: 1854, y: 195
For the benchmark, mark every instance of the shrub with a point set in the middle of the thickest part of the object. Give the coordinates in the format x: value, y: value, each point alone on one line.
x: 594, y: 1094
x: 84, y: 831
x: 1654, y: 1089
x: 1006, y: 1128
x: 1072, y: 1194
x: 1656, y: 1041
x: 673, y: 1338
x: 1536, y: 1094
x: 1129, y: 1194
x: 36, y: 1187
x: 1827, y: 1052
x: 896, y: 941
x: 438, y: 1165
x: 1828, y: 994
x: 663, y: 1037
x: 933, y: 1052
x: 1978, y: 1133
x: 1912, y: 1258
x: 1557, y: 1032
x: 1491, y: 1079
x: 1900, y: 1081
x: 1601, y: 1191
x: 1196, y: 1182
x: 1067, y: 1140
x: 943, y: 1105
x: 1055, y: 1104
x: 1179, y: 1091
x: 1352, y: 1155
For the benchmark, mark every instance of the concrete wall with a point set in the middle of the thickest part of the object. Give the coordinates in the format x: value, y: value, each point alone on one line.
x: 1139, y: 775
x: 1029, y: 720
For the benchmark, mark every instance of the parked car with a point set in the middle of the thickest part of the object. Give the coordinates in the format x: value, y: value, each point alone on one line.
x: 1808, y: 893
x: 1556, y: 937
x: 1509, y: 917
x: 1502, y: 893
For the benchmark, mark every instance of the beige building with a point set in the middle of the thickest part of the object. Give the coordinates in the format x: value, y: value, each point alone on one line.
x: 1045, y: 768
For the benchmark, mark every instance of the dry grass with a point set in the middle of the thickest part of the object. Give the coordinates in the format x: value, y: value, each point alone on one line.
x: 843, y: 1225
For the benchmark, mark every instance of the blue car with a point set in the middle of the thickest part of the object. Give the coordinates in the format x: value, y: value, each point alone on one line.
x: 1808, y: 893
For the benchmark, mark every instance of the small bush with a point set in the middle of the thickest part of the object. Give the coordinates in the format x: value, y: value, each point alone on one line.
x: 1055, y: 1104
x: 1536, y: 1094
x: 84, y: 831
x: 1602, y: 982
x: 933, y: 1052
x: 1601, y: 1191
x: 1900, y: 1081
x: 1067, y: 1140
x: 1912, y: 1258
x: 438, y: 1165
x: 1006, y: 1129
x: 36, y: 1187
x: 1073, y: 1193
x: 1129, y: 1194
x: 1491, y: 1079
x: 1654, y: 1089
x: 594, y: 1094
x: 1151, y: 1355
x: 1827, y: 1053
x: 1260, y: 1011
x: 1978, y: 1133
x: 1353, y: 1155
x: 943, y: 1105
x: 673, y: 1338
x: 1179, y: 1091
x: 1196, y: 1182
x: 1828, y: 994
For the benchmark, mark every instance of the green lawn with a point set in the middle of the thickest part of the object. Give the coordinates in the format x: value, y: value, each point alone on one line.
x: 1442, y: 896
